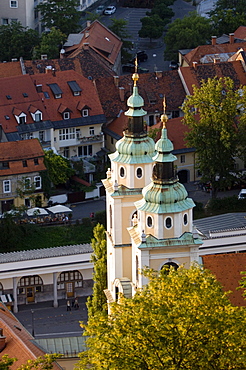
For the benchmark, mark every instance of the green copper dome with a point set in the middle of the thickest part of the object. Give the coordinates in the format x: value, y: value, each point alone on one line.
x: 163, y: 148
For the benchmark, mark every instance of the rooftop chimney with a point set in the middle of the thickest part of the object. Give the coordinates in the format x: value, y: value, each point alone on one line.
x: 48, y: 69
x: 116, y: 81
x: 88, y: 23
x: 62, y: 53
x: 122, y: 93
x: 194, y: 64
x: 216, y: 58
x: 231, y: 35
x: 44, y: 56
x: 2, y: 340
x: 214, y: 38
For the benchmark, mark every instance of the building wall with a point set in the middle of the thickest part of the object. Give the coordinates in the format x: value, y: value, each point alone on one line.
x: 24, y: 12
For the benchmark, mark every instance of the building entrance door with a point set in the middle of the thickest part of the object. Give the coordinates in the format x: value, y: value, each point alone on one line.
x: 30, y: 295
x: 70, y: 290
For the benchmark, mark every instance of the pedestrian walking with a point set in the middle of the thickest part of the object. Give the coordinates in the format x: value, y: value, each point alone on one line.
x: 68, y: 306
x: 76, y: 304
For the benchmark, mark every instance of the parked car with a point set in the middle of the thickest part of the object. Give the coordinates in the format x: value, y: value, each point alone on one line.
x: 100, y: 9
x: 130, y: 67
x: 242, y: 194
x: 110, y: 10
x: 141, y: 57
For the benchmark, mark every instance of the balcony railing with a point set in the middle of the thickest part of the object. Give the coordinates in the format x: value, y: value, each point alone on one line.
x: 92, y: 138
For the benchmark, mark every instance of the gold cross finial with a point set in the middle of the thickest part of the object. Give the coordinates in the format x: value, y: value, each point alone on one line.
x: 164, y: 104
x: 164, y: 117
x: 136, y: 65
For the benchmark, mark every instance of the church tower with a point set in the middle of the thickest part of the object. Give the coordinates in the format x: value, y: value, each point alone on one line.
x: 131, y: 169
x: 162, y: 229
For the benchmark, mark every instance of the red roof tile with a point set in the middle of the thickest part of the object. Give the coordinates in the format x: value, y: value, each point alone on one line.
x: 15, y: 152
x: 240, y: 32
x: 10, y: 69
x: 227, y: 268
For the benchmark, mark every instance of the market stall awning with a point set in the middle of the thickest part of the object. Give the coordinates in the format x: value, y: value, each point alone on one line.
x: 59, y: 209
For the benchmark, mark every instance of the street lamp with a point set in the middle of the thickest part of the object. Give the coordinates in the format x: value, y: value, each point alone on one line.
x: 32, y: 312
x: 155, y: 68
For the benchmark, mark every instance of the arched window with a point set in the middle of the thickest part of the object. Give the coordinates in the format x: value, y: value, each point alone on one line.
x: 168, y: 265
x: 168, y: 222
x: 122, y: 172
x: 33, y: 280
x: 70, y: 277
x: 185, y: 219
x: 139, y: 173
x: 149, y: 221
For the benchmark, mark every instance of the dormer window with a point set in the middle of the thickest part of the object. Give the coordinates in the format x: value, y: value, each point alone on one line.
x: 38, y: 117
x: 35, y: 113
x: 19, y: 116
x: 85, y: 112
x: 57, y: 92
x: 75, y: 88
x: 66, y: 115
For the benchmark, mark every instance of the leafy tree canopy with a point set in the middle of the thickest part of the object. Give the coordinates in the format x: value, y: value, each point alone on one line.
x: 41, y: 363
x: 59, y: 168
x: 152, y: 27
x: 17, y: 41
x: 118, y: 26
x: 186, y: 33
x: 51, y: 43
x: 180, y: 320
x: 98, y: 302
x: 211, y: 114
x: 61, y: 14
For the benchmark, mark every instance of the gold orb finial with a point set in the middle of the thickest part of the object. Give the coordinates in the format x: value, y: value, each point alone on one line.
x: 135, y: 75
x: 164, y: 117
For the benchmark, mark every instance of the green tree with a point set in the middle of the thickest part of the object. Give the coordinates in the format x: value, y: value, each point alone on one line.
x: 17, y: 41
x: 59, y: 168
x: 98, y: 302
x: 186, y: 33
x: 164, y: 12
x: 40, y: 363
x: 227, y: 16
x: 181, y: 320
x: 61, y: 14
x: 51, y: 43
x: 210, y: 113
x: 152, y: 27
x: 118, y: 26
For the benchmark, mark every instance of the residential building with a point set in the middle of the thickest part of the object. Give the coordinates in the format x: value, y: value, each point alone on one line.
x: 21, y: 165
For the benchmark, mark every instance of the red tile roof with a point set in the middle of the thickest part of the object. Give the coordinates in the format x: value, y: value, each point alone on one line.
x: 14, y: 87
x: 101, y: 40
x: 10, y: 69
x: 151, y: 88
x: 196, y: 54
x: 15, y: 152
x: 194, y: 76
x: 227, y: 268
x: 19, y: 342
x: 240, y: 33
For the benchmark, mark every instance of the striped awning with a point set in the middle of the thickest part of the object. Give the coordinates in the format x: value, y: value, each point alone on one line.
x: 7, y: 298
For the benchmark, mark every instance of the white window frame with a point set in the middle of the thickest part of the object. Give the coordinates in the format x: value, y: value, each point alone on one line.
x: 27, y: 183
x: 67, y: 133
x: 41, y: 135
x: 37, y: 179
x: 85, y: 112
x: 139, y: 168
x: 36, y: 115
x: 13, y: 4
x: 6, y: 186
x: 66, y: 115
x: 152, y: 221
x: 5, y: 21
x: 91, y: 130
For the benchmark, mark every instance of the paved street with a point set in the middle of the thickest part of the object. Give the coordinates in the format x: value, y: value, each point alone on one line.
x: 47, y: 321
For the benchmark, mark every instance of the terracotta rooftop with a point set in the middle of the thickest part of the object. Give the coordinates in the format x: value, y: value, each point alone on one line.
x: 100, y: 39
x: 240, y: 32
x: 15, y: 152
x: 10, y: 69
x: 19, y: 342
x: 22, y: 94
x: 227, y: 268
x: 194, y: 75
x: 114, y: 92
x: 196, y: 54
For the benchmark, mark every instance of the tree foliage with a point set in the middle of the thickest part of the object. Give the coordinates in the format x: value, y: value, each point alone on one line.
x: 180, y: 320
x: 152, y: 27
x: 61, y: 14
x: 211, y: 114
x: 17, y: 41
x: 186, y: 33
x: 98, y: 302
x: 51, y: 43
x: 40, y: 363
x: 118, y: 26
x: 59, y: 168
x: 227, y: 16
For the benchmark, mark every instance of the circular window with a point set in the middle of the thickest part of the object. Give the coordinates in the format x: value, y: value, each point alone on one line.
x: 139, y: 172
x: 168, y: 222
x: 149, y: 221
x: 185, y: 219
x: 122, y: 172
